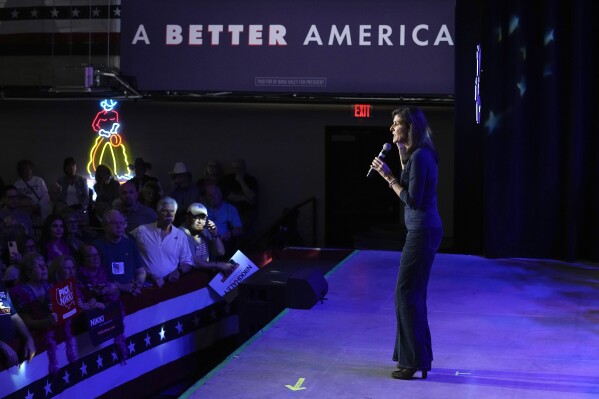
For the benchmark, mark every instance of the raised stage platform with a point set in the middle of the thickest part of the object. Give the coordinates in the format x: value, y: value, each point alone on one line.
x: 503, y: 328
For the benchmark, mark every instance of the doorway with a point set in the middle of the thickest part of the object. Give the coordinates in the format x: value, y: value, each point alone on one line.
x: 356, y: 206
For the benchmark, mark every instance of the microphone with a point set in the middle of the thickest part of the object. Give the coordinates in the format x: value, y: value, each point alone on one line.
x: 386, y: 148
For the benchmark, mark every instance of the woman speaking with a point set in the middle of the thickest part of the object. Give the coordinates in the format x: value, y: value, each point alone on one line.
x: 416, y: 188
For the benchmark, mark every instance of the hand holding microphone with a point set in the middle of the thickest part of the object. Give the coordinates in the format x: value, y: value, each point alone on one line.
x: 384, y: 150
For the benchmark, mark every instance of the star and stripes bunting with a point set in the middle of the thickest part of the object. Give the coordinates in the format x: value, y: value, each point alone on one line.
x: 55, y: 27
x: 99, y: 361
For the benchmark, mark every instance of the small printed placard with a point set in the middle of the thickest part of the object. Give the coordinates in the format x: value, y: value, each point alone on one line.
x: 105, y: 323
x: 223, y: 284
x: 63, y: 296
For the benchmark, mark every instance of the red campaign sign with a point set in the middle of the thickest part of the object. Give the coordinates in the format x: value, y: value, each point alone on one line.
x: 64, y: 299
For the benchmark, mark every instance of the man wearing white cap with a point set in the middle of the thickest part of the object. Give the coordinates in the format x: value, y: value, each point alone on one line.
x: 184, y: 191
x: 204, y: 242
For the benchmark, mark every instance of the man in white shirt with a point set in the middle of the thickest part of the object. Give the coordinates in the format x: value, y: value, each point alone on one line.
x: 163, y: 247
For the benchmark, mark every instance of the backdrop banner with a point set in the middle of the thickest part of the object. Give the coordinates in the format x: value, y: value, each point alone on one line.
x: 387, y: 47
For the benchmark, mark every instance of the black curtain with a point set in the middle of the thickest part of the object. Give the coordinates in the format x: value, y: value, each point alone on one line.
x: 539, y: 158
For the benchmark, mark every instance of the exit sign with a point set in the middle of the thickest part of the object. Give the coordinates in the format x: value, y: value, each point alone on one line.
x: 362, y: 110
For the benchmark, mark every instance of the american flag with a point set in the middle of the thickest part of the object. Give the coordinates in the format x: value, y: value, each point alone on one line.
x: 60, y: 27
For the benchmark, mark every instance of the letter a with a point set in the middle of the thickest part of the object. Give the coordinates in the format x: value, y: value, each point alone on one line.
x: 141, y: 35
x: 313, y: 36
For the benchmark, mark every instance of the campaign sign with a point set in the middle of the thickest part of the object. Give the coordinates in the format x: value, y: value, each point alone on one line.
x: 64, y: 299
x: 223, y: 284
x: 106, y: 323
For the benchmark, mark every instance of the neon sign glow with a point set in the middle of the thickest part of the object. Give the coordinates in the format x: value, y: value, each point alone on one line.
x: 109, y: 149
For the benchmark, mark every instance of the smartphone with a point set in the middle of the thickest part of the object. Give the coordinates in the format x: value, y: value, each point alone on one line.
x: 210, y: 224
x: 12, y: 248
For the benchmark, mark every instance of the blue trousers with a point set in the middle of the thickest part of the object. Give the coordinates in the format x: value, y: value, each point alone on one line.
x: 413, y: 347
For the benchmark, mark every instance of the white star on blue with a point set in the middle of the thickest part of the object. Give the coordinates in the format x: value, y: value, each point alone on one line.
x: 48, y: 387
x: 147, y: 339
x: 66, y: 377
x: 161, y: 333
x: 179, y: 327
x: 83, y: 369
x: 131, y: 347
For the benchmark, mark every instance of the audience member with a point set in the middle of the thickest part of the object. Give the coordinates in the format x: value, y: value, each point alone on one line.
x: 33, y: 187
x: 120, y: 255
x: 150, y: 194
x: 97, y: 285
x: 57, y: 202
x: 241, y: 190
x: 3, y: 267
x: 163, y: 247
x: 71, y: 223
x: 61, y: 269
x: 53, y: 242
x: 106, y: 189
x: 141, y: 177
x: 25, y: 245
x: 10, y: 258
x: 11, y: 228
x: 226, y: 218
x: 184, y: 191
x: 128, y: 204
x: 31, y: 298
x: 73, y: 187
x: 211, y: 174
x: 93, y: 277
x: 11, y: 201
x: 77, y: 226
x: 64, y: 267
x: 12, y: 324
x: 204, y: 242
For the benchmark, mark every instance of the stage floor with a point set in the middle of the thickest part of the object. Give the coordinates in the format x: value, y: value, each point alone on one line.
x: 502, y: 328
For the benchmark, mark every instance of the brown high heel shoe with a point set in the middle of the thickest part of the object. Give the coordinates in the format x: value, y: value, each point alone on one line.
x: 407, y: 373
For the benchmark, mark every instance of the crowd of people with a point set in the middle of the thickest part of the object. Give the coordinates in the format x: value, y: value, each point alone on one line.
x: 113, y: 239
